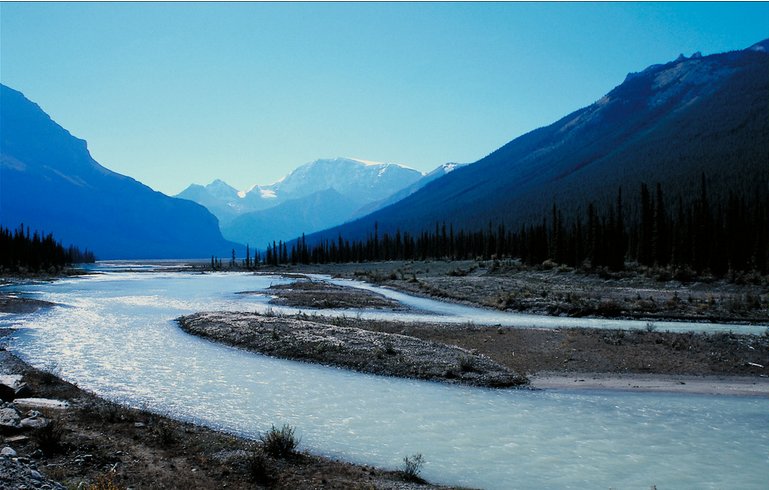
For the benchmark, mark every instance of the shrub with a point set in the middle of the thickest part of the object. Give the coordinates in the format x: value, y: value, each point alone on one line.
x: 165, y: 433
x: 112, y: 413
x: 258, y: 467
x: 280, y: 443
x: 50, y: 373
x: 412, y: 467
x: 389, y: 348
x: 650, y: 327
x: 105, y: 482
x: 48, y: 437
x: 467, y: 364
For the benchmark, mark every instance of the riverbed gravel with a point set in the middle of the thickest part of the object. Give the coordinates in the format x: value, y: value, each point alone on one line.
x: 363, y: 350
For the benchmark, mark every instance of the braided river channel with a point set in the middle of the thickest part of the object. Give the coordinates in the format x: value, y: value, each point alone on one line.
x: 114, y: 334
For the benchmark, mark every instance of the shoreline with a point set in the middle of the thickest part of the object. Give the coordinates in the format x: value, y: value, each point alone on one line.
x: 506, y: 286
x: 218, y: 327
x: 102, y: 444
x: 739, y: 386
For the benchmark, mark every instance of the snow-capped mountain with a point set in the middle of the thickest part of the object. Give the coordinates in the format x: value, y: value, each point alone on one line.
x: 355, y: 183
x: 360, y: 180
x: 224, y: 201
x: 291, y: 218
x: 435, y: 174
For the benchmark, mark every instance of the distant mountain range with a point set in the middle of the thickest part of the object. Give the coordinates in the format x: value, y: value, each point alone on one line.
x: 313, y: 197
x: 50, y: 183
x: 670, y: 123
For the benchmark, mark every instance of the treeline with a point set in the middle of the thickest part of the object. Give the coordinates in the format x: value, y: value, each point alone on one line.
x: 35, y: 252
x: 731, y: 234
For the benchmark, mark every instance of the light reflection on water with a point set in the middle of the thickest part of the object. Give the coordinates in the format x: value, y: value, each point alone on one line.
x: 116, y: 337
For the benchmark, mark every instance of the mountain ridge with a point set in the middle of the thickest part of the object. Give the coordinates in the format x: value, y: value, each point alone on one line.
x: 668, y: 123
x: 50, y: 182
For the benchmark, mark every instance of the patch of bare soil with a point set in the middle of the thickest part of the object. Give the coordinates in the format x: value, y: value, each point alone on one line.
x: 363, y: 350
x: 95, y: 443
x: 589, y: 350
x: 318, y: 294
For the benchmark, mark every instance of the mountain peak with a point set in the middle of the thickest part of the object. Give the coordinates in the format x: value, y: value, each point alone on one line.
x: 220, y: 185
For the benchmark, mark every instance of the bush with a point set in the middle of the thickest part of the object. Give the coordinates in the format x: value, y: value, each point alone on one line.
x: 467, y: 364
x: 166, y: 433
x: 48, y: 437
x: 105, y: 482
x: 280, y: 443
x: 50, y: 373
x: 258, y: 467
x: 412, y: 467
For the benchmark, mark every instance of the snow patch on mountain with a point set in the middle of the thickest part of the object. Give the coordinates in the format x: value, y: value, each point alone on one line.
x: 358, y: 180
x: 267, y: 194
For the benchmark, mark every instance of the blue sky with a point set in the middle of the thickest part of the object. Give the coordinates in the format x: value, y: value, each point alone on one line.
x: 175, y: 93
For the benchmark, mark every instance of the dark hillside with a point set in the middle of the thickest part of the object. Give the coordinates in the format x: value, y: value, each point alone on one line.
x: 50, y: 182
x: 669, y: 124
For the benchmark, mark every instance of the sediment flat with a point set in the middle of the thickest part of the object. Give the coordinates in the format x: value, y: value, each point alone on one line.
x: 362, y: 350
x: 507, y: 285
x: 10, y: 303
x: 685, y: 384
x: 306, y: 293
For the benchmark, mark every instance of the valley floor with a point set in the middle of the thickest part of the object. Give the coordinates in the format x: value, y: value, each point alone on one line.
x: 138, y: 449
x: 578, y: 357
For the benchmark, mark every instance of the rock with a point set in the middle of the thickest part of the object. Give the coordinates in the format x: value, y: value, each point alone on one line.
x: 9, y: 420
x: 18, y: 474
x: 41, y: 403
x: 8, y: 452
x: 23, y: 390
x: 11, y: 387
x: 34, y: 422
x: 19, y: 438
x: 7, y: 393
x: 10, y: 379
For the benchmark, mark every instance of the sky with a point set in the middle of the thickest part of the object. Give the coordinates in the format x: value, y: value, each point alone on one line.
x: 180, y: 93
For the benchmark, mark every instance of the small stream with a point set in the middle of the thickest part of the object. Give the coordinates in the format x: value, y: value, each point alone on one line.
x: 114, y: 335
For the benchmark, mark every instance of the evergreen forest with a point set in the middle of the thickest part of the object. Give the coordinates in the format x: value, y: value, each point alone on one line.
x: 705, y: 235
x: 23, y: 251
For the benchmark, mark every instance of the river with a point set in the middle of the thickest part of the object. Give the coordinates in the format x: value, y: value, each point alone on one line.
x: 114, y: 335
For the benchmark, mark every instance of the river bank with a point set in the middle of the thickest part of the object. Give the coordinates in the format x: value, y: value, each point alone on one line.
x: 94, y: 441
x: 553, y: 358
x: 640, y: 293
